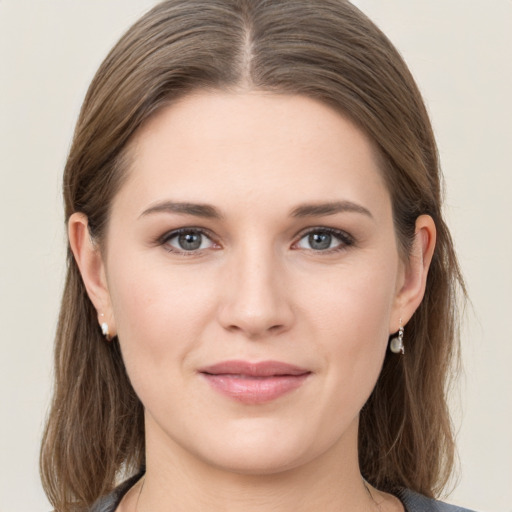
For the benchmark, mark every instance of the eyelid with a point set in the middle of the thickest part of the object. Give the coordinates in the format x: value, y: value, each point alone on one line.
x: 163, y: 240
x: 346, y: 240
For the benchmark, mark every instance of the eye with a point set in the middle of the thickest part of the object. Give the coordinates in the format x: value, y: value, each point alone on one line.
x: 187, y: 240
x: 325, y: 239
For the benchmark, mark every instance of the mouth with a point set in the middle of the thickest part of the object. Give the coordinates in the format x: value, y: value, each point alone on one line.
x: 254, y: 383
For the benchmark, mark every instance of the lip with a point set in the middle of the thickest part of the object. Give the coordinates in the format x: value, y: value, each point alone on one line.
x: 254, y: 383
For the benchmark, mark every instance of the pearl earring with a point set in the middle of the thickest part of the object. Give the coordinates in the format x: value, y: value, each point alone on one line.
x: 105, y: 329
x: 396, y: 344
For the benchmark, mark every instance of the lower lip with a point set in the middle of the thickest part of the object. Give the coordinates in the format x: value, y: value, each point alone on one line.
x: 254, y: 390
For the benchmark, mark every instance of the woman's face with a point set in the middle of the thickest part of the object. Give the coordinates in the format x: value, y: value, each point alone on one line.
x: 253, y: 278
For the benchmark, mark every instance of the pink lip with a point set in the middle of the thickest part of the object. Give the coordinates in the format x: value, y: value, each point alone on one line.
x: 254, y: 383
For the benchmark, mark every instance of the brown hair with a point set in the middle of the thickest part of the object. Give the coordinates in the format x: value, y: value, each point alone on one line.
x: 324, y: 49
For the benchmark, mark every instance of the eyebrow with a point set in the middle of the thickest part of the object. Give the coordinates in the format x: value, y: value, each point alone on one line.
x: 196, y: 209
x: 331, y: 208
x: 210, y: 212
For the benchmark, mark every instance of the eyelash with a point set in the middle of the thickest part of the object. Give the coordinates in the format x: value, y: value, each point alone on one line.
x: 343, y: 237
x: 164, y: 240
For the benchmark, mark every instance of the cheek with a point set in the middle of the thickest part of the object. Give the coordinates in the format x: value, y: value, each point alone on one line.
x: 349, y: 319
x: 159, y: 313
x: 353, y: 303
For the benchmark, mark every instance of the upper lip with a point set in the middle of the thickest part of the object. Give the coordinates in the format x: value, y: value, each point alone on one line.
x: 257, y: 369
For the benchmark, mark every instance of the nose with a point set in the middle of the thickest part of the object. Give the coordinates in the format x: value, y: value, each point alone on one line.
x: 255, y: 300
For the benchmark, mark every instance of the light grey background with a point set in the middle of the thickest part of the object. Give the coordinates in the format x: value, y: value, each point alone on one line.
x: 460, y: 52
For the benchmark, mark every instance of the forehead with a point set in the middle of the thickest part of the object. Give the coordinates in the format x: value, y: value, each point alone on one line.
x: 220, y: 146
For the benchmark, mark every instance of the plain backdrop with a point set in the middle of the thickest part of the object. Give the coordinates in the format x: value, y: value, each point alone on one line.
x: 459, y: 51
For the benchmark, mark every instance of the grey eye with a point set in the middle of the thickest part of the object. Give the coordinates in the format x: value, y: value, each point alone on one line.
x: 189, y: 241
x: 322, y: 240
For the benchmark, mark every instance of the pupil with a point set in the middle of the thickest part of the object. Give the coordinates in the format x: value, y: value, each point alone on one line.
x: 320, y: 240
x: 190, y: 241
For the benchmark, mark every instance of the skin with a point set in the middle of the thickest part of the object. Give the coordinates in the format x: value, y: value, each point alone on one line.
x: 256, y: 290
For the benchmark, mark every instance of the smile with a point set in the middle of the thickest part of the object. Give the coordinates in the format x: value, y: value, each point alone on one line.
x: 254, y: 383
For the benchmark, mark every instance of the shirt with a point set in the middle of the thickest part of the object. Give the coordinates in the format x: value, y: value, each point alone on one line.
x: 412, y: 501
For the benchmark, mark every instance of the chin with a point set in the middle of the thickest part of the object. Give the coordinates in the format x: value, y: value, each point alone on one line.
x: 255, y: 461
x: 261, y: 447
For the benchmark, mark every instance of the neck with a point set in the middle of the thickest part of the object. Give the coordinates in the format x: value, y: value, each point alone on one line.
x: 177, y: 480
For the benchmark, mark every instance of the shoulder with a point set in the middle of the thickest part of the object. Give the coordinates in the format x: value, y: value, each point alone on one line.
x: 415, y: 502
x: 106, y: 504
x: 110, y: 502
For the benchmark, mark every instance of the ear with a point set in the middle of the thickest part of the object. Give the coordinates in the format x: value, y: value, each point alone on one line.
x: 90, y: 263
x: 412, y: 283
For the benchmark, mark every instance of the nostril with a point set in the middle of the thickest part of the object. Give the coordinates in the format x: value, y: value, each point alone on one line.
x: 255, y: 331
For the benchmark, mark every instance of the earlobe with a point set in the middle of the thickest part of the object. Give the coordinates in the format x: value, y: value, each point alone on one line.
x: 412, y: 290
x: 90, y: 263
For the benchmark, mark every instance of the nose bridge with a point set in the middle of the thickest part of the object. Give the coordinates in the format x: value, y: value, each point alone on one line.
x: 255, y: 299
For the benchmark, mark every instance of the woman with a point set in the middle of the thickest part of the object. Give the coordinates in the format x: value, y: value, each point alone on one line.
x: 253, y: 208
